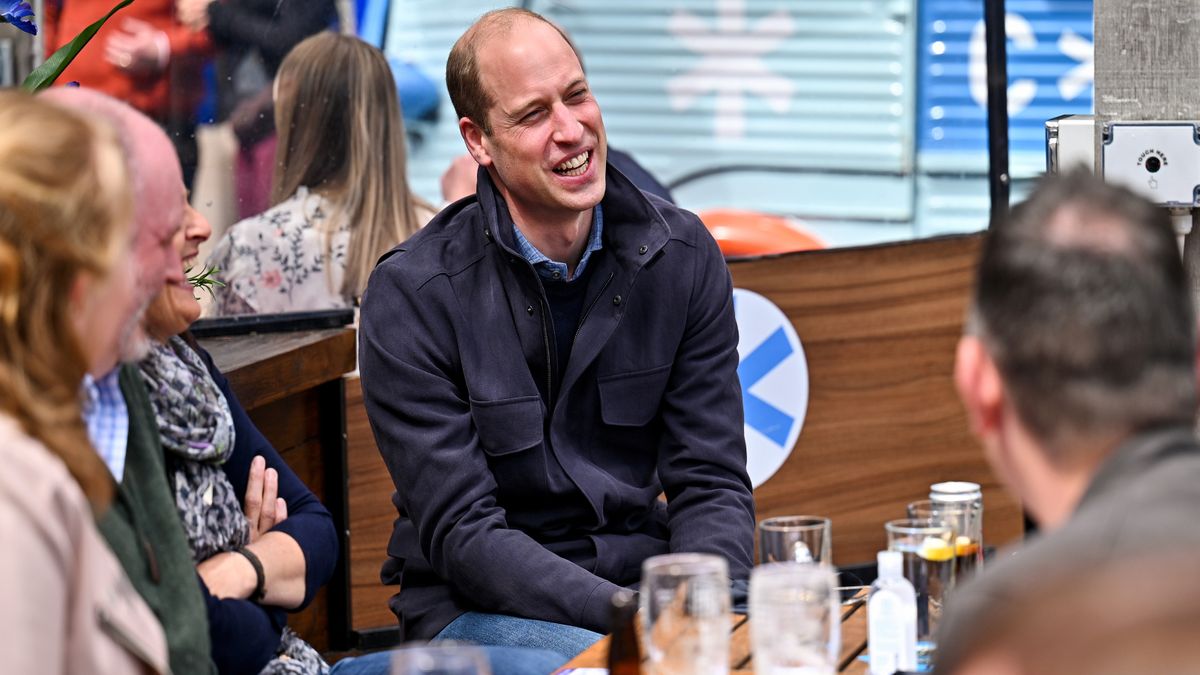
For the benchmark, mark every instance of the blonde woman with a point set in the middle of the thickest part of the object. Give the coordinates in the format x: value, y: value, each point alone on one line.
x: 340, y: 193
x: 65, y: 209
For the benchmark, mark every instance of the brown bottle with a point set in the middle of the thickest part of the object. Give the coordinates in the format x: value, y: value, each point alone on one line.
x: 624, y: 655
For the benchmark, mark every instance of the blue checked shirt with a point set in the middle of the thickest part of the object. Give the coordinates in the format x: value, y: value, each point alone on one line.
x: 550, y: 269
x: 107, y: 419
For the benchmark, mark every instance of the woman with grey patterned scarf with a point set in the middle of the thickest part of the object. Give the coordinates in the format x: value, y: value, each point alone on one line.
x: 252, y: 564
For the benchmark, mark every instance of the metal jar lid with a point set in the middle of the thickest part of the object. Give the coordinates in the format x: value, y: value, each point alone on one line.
x: 955, y: 491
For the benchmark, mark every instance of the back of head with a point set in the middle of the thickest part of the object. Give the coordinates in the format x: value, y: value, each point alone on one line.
x: 1082, y: 301
x: 341, y: 133
x: 64, y: 211
x: 153, y: 166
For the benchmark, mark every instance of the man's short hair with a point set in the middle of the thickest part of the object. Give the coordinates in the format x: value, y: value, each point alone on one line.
x: 467, y: 92
x: 1082, y: 301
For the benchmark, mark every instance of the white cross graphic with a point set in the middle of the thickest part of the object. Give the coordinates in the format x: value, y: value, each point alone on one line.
x: 1078, y: 78
x: 732, y: 63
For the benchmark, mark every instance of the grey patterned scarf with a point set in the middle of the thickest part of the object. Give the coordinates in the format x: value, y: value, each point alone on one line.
x: 196, y: 428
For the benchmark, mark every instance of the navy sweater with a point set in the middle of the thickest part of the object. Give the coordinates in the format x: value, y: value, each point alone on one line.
x: 245, y: 634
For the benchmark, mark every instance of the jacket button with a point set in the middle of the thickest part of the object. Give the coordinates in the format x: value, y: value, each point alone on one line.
x: 529, y: 309
x: 487, y: 232
x: 617, y: 300
x: 643, y: 248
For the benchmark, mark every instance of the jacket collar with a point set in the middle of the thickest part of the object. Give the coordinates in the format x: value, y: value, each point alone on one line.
x: 1135, y: 455
x: 631, y: 221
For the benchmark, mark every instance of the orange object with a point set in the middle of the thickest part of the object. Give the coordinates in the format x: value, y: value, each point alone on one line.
x: 746, y: 233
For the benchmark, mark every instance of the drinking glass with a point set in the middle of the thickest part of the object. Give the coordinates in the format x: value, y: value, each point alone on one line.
x: 685, y: 614
x: 444, y: 658
x: 795, y: 539
x: 963, y: 518
x: 795, y: 623
x: 928, y: 549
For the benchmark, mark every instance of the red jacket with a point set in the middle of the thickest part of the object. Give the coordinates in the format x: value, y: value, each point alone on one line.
x: 171, y: 94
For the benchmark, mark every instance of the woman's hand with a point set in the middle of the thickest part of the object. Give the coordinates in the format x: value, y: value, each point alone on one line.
x: 228, y: 575
x: 264, y: 508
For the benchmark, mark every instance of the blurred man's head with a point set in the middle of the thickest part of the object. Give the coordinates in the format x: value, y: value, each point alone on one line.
x: 159, y: 199
x: 528, y: 116
x: 1080, y: 332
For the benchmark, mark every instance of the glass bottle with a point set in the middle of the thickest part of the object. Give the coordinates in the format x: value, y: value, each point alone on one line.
x: 624, y: 654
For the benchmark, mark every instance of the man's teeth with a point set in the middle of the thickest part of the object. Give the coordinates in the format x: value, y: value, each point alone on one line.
x: 574, y: 166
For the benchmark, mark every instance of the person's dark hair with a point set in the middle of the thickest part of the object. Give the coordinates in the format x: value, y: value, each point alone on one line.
x: 1082, y: 301
x: 467, y: 93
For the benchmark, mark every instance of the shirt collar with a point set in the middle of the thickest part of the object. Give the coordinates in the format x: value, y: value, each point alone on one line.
x: 107, y: 419
x: 554, y: 270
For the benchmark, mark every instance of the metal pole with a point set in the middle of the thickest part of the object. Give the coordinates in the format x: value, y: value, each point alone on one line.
x: 997, y: 107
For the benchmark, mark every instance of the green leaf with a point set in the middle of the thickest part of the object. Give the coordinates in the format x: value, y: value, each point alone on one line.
x: 205, y: 280
x: 44, y: 75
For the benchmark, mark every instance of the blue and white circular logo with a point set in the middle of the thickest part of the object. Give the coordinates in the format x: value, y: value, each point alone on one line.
x: 774, y: 375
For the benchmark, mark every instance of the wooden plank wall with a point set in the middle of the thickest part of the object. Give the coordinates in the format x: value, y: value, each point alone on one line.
x: 277, y: 379
x: 291, y: 424
x: 371, y: 516
x: 879, y: 326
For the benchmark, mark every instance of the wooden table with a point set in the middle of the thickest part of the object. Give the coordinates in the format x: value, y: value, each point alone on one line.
x: 741, y: 658
x: 291, y: 386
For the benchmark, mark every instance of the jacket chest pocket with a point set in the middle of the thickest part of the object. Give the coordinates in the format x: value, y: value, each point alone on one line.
x: 509, y: 425
x: 632, y: 399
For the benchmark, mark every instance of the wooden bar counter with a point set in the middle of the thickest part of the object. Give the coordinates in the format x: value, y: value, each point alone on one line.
x: 291, y: 384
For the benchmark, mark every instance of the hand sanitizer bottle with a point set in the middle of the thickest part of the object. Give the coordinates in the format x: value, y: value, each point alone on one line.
x: 891, y: 618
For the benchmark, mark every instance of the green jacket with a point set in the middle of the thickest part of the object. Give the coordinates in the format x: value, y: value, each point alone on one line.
x: 142, y: 527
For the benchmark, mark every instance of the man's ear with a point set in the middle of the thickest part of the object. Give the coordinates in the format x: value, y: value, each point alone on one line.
x: 476, y: 140
x: 979, y: 386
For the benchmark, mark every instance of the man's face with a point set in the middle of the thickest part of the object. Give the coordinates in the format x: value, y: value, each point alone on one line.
x: 159, y: 213
x: 547, y: 148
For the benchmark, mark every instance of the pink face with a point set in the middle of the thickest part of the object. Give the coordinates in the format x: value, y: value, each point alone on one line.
x: 547, y: 147
x: 194, y: 232
x: 159, y: 209
x: 176, y: 307
x: 101, y: 328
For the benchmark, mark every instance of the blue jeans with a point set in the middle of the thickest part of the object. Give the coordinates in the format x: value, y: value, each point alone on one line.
x: 503, y: 660
x: 509, y: 631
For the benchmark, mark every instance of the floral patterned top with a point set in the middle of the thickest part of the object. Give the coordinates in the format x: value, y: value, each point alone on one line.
x: 276, y: 261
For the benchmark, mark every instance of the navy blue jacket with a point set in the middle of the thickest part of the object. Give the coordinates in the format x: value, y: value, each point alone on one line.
x: 513, y: 506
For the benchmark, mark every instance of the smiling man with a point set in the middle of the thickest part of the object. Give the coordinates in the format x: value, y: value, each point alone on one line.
x: 544, y: 360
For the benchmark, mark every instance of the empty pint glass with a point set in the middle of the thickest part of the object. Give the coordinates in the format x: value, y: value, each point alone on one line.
x: 795, y: 539
x: 444, y: 658
x: 685, y: 614
x: 796, y: 627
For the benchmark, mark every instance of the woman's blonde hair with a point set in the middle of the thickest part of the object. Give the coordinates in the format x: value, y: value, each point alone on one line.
x: 341, y: 134
x: 65, y: 210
